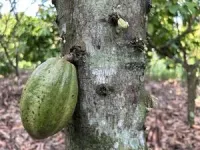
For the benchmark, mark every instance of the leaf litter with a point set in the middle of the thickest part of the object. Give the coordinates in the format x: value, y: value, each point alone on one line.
x: 166, y: 125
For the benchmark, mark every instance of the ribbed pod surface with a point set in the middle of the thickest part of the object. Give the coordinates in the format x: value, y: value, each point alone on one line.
x: 49, y: 98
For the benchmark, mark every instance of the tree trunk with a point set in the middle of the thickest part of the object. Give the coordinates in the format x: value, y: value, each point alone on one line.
x: 191, y: 90
x: 110, y: 113
x: 17, y: 63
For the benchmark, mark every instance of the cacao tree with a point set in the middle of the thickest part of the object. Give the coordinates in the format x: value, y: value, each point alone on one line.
x: 107, y: 39
x: 173, y: 30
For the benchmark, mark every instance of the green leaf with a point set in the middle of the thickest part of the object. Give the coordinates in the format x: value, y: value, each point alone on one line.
x: 173, y: 9
x: 150, y: 28
x: 191, y: 6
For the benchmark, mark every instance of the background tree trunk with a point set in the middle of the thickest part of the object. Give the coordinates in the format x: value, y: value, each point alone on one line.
x: 17, y: 63
x: 192, y: 92
x: 110, y: 113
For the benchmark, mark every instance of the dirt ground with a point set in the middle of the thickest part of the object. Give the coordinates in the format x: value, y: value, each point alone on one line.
x: 166, y: 125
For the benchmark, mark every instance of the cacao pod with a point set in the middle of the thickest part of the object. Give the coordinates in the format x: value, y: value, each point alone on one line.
x: 49, y: 98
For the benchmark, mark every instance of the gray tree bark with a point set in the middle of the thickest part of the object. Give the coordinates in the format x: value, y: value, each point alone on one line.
x: 192, y: 82
x: 110, y: 112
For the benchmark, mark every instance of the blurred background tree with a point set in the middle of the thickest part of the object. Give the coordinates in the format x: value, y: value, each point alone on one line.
x: 26, y: 41
x: 174, y: 35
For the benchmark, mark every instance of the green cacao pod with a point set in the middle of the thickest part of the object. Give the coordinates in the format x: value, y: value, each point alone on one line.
x: 49, y: 98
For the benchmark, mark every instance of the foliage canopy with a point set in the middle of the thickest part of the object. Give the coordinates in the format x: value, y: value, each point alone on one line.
x: 25, y: 39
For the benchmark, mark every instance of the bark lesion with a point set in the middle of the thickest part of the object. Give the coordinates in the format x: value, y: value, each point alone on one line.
x: 76, y: 52
x: 104, y: 89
